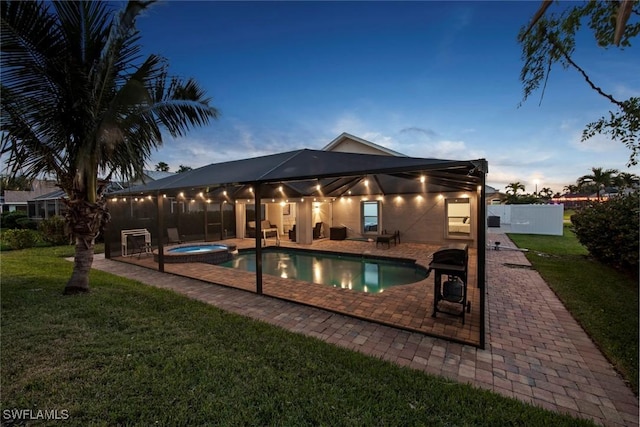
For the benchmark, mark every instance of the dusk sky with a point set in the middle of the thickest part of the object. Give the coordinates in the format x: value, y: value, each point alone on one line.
x: 426, y: 79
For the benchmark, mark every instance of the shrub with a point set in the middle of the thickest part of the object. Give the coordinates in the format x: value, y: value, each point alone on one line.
x: 54, y: 231
x: 20, y: 239
x: 9, y: 219
x: 26, y: 224
x: 609, y: 230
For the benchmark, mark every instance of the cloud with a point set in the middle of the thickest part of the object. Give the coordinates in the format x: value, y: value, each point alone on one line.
x: 431, y: 134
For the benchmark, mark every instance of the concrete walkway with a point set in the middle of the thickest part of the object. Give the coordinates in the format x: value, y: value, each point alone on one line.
x: 536, y: 351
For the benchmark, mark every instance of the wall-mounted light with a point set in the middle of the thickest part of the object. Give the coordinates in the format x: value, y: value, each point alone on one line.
x: 422, y: 178
x: 318, y: 187
x: 366, y: 182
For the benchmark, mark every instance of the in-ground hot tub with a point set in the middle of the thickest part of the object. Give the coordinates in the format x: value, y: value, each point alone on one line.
x: 210, y: 253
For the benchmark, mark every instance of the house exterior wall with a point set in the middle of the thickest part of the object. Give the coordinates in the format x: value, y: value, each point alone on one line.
x: 420, y: 218
x: 350, y: 146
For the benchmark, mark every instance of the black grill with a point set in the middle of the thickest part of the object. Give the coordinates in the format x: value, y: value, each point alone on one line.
x: 451, y: 261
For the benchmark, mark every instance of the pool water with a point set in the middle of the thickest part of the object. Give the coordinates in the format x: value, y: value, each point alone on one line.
x: 340, y: 271
x: 196, y: 249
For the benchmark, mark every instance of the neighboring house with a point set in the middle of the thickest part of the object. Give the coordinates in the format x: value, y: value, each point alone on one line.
x: 46, y: 203
x: 18, y: 200
x: 493, y: 196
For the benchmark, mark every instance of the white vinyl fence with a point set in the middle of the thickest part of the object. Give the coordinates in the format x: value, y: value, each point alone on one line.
x: 529, y: 219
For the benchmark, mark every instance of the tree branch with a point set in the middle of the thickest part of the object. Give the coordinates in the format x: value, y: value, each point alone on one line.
x: 566, y: 56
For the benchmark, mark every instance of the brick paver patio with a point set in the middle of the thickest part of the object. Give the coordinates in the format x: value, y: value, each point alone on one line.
x: 535, y: 351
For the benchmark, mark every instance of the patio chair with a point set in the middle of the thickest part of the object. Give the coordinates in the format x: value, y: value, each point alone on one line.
x: 174, y: 237
x: 317, y: 230
x: 292, y: 233
x: 139, y: 245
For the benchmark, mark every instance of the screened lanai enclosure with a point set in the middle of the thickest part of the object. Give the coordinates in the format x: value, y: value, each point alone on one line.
x: 306, y: 197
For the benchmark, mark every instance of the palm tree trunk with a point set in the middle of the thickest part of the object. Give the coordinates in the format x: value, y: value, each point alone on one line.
x: 85, y: 220
x: 79, y: 281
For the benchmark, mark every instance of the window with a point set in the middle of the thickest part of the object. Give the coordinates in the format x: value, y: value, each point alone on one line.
x: 458, y: 217
x: 370, y: 217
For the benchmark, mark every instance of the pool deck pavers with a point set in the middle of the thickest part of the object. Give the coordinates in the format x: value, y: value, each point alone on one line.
x: 535, y: 351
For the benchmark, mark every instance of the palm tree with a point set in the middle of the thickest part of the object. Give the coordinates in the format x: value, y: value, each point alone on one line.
x: 77, y: 102
x: 546, y: 193
x: 626, y: 180
x: 599, y: 179
x: 571, y: 188
x: 162, y: 167
x: 513, y: 188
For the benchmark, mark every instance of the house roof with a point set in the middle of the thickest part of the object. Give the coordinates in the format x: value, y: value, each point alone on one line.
x: 344, y: 137
x: 336, y: 172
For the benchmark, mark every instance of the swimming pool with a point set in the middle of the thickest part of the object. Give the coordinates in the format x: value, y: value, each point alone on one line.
x: 359, y: 273
x: 210, y: 253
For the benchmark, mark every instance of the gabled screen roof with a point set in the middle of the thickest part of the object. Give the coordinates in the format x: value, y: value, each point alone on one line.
x: 304, y: 169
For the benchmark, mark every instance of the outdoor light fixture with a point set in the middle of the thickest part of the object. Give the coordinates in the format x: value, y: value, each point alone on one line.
x: 280, y: 188
x: 318, y: 187
x: 251, y: 189
x: 181, y: 194
x: 224, y: 192
x: 422, y: 178
x: 366, y: 182
x: 200, y: 194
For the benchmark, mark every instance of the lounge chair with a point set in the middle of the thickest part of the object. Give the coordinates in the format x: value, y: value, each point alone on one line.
x: 174, y: 237
x: 317, y: 230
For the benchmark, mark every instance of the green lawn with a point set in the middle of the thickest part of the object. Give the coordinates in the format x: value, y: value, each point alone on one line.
x: 603, y: 300
x: 135, y: 355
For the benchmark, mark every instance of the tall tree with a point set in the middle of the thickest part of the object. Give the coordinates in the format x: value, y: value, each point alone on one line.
x: 162, y: 167
x: 571, y: 188
x: 546, y: 193
x: 626, y: 180
x: 599, y: 179
x: 184, y: 168
x: 550, y: 38
x: 514, y: 187
x: 78, y: 101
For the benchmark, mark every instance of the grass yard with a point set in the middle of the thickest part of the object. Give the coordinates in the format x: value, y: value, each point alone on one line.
x: 135, y: 355
x: 603, y: 300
